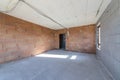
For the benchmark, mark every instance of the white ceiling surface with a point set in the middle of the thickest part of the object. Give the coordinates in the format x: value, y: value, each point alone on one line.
x: 69, y: 13
x: 6, y: 5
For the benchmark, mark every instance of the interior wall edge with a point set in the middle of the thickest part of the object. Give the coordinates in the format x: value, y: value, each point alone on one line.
x: 109, y: 53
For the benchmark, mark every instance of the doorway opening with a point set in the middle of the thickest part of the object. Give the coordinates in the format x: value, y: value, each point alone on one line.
x: 62, y: 41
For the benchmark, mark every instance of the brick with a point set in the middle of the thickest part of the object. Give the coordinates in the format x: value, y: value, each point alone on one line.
x: 78, y: 39
x: 20, y: 37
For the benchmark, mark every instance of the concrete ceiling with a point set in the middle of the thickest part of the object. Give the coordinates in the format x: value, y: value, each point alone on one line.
x: 69, y: 13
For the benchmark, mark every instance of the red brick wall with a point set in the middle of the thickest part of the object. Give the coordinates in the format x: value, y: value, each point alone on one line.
x: 80, y: 39
x: 20, y: 39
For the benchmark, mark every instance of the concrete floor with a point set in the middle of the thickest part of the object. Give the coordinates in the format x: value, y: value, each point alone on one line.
x: 54, y: 65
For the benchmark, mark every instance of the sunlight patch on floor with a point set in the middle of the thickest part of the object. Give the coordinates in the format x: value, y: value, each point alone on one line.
x: 53, y: 56
x: 73, y: 57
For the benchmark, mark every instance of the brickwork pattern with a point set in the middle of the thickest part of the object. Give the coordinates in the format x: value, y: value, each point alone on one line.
x: 19, y: 39
x: 81, y: 39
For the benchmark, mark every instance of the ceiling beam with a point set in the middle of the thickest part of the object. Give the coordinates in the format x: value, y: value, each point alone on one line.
x: 43, y: 14
x: 99, y: 7
x: 7, y: 11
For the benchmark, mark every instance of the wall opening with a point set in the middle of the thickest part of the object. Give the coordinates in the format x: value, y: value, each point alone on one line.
x: 99, y: 37
x: 62, y: 41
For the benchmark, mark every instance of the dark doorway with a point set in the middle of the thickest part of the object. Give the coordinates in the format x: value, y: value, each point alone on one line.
x: 62, y: 41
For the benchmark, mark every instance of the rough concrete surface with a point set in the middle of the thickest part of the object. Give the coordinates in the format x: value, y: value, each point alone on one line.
x: 110, y: 39
x: 54, y: 65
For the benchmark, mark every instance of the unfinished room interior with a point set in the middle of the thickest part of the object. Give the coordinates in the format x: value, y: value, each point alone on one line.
x: 59, y: 39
